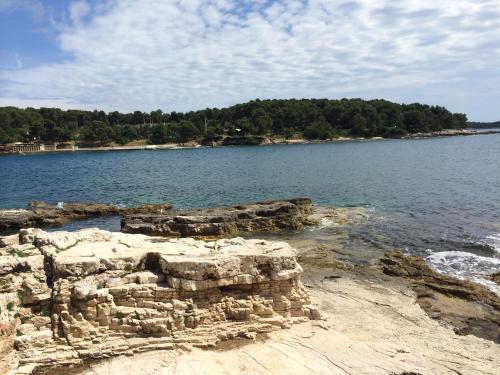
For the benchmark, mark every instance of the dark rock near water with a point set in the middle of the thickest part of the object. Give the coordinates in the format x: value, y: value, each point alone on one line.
x: 495, y: 277
x: 469, y: 307
x: 41, y: 214
x: 243, y: 141
x: 223, y: 221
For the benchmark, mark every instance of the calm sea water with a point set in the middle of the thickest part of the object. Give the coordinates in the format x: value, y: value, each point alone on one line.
x: 435, y: 197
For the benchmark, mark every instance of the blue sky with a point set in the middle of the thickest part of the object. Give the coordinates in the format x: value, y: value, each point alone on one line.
x: 191, y: 54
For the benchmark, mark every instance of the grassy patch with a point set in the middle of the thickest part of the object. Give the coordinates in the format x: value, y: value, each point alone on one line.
x: 128, y: 267
x: 45, y: 311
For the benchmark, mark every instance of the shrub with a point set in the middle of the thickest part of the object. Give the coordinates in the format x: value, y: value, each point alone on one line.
x: 45, y: 311
x: 128, y: 267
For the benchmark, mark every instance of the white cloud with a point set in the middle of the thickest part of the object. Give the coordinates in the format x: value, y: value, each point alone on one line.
x: 35, y: 7
x: 78, y: 10
x: 190, y: 54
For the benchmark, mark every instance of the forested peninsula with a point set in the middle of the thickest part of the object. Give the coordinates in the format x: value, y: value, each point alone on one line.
x: 300, y: 118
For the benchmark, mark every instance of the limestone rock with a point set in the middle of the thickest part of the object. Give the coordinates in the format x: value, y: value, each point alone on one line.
x: 102, y: 294
x: 223, y: 221
x: 468, y: 306
x: 40, y: 214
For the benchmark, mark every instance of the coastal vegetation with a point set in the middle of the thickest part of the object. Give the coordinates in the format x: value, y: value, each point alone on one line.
x: 484, y: 125
x: 307, y: 118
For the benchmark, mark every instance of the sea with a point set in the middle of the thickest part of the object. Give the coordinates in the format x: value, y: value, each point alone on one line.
x: 438, y: 198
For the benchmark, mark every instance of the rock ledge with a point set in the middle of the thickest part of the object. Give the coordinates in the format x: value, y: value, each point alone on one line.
x: 223, y: 221
x: 82, y: 296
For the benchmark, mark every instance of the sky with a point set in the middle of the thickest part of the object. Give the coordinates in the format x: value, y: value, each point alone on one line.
x: 181, y: 55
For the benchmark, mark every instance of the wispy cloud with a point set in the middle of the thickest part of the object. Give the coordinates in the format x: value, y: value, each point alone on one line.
x: 189, y: 54
x: 35, y: 7
x: 78, y: 10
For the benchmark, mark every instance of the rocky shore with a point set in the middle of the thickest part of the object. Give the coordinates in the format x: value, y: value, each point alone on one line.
x: 42, y: 214
x: 163, y: 220
x: 372, y: 326
x: 154, y: 300
x: 71, y: 298
x: 470, y: 308
x: 223, y: 221
x: 254, y: 141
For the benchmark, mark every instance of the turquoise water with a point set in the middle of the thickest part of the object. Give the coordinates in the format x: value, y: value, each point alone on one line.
x: 425, y: 196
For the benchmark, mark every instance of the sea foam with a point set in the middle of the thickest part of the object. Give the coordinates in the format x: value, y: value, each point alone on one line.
x: 465, y: 265
x: 494, y: 241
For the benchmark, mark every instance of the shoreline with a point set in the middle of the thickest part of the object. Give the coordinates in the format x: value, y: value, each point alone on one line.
x: 373, y: 319
x: 398, y: 314
x: 267, y: 142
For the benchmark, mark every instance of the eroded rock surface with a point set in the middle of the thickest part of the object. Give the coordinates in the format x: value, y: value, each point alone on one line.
x: 223, y: 221
x: 470, y: 307
x: 81, y: 296
x: 373, y: 326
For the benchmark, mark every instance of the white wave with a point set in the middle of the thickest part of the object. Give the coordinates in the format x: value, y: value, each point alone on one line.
x: 494, y: 240
x: 327, y: 223
x: 466, y: 266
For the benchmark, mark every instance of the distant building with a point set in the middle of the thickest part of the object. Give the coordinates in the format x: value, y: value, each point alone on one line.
x: 25, y: 147
x: 49, y: 147
x: 30, y: 147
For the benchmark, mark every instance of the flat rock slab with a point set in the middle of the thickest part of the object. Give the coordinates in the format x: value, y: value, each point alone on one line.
x: 223, y: 221
x: 42, y: 214
x: 228, y: 261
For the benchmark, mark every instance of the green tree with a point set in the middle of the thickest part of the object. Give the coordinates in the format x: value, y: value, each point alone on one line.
x: 318, y: 130
x: 186, y: 131
x: 4, y: 137
x: 137, y: 118
x: 159, y: 134
x: 414, y: 121
x: 98, y: 132
x: 5, y: 120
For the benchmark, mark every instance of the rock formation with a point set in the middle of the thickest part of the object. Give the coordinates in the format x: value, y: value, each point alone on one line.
x: 75, y: 297
x: 223, y: 221
x: 495, y: 277
x: 470, y: 307
x: 40, y: 214
x: 373, y: 326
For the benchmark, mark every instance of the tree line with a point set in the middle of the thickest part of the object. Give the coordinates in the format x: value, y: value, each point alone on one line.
x: 310, y: 118
x: 483, y: 125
